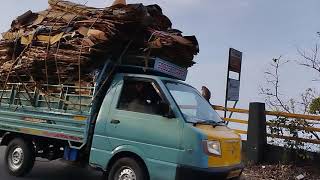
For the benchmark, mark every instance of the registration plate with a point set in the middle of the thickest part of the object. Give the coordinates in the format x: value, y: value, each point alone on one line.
x: 235, y: 173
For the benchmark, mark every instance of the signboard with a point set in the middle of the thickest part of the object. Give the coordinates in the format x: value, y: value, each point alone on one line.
x: 233, y: 90
x: 170, y: 69
x: 235, y: 60
x: 233, y: 82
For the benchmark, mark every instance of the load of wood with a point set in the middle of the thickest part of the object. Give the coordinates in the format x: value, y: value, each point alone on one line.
x: 69, y: 41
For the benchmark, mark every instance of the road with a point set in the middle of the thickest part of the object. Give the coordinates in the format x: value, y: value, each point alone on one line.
x: 55, y: 170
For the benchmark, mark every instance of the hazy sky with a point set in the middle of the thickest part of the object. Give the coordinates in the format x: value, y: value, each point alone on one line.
x: 261, y: 29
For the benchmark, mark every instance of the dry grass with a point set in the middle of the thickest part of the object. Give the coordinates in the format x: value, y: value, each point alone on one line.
x: 281, y: 172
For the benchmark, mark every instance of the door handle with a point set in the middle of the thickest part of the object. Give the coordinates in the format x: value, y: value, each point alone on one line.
x: 114, y: 121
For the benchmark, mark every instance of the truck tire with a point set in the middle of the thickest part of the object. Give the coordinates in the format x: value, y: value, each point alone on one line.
x: 19, y: 157
x: 127, y: 168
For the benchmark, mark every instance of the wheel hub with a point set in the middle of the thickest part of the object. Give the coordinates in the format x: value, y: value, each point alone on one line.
x: 16, y: 158
x: 127, y: 174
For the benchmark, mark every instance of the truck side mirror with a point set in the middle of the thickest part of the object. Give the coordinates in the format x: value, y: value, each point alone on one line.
x: 166, y: 110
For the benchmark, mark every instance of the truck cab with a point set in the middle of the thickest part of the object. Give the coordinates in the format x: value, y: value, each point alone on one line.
x: 154, y: 127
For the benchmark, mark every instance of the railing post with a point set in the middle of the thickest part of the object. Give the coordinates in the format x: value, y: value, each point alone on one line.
x: 256, y: 139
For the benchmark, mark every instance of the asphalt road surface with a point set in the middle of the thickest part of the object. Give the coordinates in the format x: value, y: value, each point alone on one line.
x: 54, y: 170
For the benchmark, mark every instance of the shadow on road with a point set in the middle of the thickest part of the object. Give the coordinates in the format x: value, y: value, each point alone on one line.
x: 54, y: 170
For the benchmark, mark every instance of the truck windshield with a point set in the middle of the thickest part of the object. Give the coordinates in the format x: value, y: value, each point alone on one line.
x: 194, y: 107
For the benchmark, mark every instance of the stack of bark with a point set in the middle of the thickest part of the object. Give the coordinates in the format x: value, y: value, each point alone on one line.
x: 69, y: 40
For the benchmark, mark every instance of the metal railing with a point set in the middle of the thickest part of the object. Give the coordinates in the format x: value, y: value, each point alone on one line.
x: 308, y: 118
x: 234, y: 110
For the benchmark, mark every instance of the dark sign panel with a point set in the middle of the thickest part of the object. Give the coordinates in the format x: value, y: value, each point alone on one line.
x: 233, y: 90
x: 235, y: 60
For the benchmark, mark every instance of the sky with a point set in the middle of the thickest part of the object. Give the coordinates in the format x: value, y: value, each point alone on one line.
x: 261, y: 29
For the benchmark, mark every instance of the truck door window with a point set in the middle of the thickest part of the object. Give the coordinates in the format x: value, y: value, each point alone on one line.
x: 139, y: 96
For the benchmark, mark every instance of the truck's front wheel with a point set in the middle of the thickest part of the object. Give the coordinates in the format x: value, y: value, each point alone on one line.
x: 19, y: 157
x: 127, y: 169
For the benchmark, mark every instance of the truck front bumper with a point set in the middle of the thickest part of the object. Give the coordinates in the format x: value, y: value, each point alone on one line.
x: 192, y: 173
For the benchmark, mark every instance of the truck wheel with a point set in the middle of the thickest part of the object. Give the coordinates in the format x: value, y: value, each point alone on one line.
x: 127, y: 169
x: 19, y: 157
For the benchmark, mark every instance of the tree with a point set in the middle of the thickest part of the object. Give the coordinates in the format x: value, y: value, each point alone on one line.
x: 315, y: 106
x: 311, y: 60
x: 276, y: 100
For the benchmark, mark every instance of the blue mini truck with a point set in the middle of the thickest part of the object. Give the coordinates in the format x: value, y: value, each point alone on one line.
x: 132, y: 123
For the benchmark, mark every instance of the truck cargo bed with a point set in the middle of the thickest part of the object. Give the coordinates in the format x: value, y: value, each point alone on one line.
x: 61, y: 113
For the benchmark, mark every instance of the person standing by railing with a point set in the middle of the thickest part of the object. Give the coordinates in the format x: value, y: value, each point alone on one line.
x: 205, y: 92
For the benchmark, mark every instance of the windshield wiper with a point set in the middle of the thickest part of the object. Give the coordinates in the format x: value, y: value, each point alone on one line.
x: 213, y: 123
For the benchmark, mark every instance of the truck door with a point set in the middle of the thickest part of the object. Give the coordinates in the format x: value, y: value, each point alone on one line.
x: 136, y: 121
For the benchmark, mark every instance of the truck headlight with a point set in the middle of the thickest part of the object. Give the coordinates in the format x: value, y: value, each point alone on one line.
x: 212, y: 147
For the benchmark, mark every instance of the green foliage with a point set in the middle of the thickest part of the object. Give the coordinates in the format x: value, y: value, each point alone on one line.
x: 315, y: 106
x: 277, y: 128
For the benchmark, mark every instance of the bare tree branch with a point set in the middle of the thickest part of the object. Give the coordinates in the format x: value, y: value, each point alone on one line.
x: 276, y: 101
x: 310, y: 60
